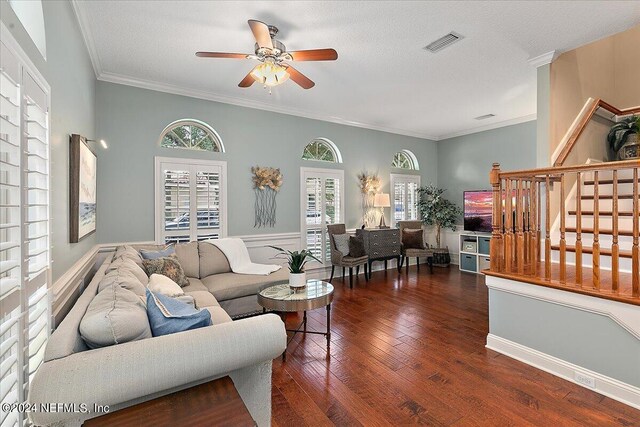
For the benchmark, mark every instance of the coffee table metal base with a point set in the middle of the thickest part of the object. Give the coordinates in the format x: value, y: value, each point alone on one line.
x: 302, y: 328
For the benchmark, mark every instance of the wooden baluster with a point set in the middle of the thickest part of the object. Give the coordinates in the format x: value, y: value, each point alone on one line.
x: 547, y: 242
x: 539, y: 224
x: 579, y: 229
x: 533, y: 242
x: 496, y: 251
x: 615, y: 250
x: 519, y: 229
x: 563, y: 241
x: 508, y: 232
x: 596, y: 232
x: 526, y: 221
x: 635, y: 252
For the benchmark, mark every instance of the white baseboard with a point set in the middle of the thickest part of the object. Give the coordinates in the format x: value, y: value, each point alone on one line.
x: 615, y: 389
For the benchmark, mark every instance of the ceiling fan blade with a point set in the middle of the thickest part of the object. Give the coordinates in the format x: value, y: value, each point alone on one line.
x: 314, y: 55
x: 248, y: 80
x: 260, y: 31
x: 302, y: 80
x: 221, y: 55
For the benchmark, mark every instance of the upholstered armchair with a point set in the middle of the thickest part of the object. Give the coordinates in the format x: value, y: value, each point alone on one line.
x: 339, y: 260
x: 408, y: 253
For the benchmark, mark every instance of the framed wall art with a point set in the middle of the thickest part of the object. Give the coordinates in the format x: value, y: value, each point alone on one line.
x: 82, y: 189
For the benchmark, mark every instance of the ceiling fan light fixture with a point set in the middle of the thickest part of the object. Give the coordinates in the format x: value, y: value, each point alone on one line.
x: 270, y: 74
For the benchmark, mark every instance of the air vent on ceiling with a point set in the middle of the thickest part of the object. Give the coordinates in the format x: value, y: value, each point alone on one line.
x: 443, y: 42
x: 486, y: 116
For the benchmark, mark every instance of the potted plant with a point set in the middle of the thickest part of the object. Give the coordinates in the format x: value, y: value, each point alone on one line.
x: 296, y: 261
x: 437, y: 211
x: 623, y: 138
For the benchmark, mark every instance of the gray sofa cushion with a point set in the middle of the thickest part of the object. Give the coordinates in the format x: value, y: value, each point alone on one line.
x: 128, y: 252
x: 124, y: 278
x: 187, y: 254
x: 115, y: 316
x: 128, y: 264
x: 212, y: 260
x: 227, y: 286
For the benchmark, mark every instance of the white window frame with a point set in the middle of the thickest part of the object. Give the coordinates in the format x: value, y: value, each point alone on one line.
x: 306, y: 172
x: 159, y: 192
x: 332, y: 146
x: 193, y: 122
x: 401, y: 178
x: 412, y: 159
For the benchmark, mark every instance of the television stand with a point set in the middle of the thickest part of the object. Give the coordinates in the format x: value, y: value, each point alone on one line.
x: 474, y: 251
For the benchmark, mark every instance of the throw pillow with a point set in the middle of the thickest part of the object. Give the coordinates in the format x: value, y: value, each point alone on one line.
x: 412, y: 238
x: 114, y: 316
x: 164, y: 285
x: 168, y: 266
x: 160, y: 253
x: 356, y: 247
x: 168, y: 315
x: 342, y: 243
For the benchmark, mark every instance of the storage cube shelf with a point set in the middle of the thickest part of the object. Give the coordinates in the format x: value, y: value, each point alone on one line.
x: 474, y: 252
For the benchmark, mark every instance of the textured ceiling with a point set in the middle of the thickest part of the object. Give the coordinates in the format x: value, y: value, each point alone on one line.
x: 383, y: 79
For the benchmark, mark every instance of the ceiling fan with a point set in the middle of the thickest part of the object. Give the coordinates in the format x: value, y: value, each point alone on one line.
x: 272, y: 54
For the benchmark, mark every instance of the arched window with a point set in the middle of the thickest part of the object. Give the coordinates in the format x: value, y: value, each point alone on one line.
x: 192, y: 134
x: 323, y: 150
x: 405, y: 159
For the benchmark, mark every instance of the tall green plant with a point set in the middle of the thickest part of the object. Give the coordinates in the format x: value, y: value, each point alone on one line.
x: 295, y: 259
x: 436, y: 210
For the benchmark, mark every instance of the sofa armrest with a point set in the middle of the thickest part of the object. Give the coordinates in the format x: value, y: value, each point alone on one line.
x: 121, y: 373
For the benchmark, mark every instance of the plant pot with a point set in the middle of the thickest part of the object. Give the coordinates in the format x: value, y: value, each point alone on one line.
x: 441, y: 257
x: 297, y: 280
x: 630, y: 149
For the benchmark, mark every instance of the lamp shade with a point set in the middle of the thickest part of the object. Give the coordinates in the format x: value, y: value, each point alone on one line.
x: 381, y: 200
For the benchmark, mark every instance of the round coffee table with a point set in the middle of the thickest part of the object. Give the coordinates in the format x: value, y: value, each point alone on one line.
x: 281, y: 298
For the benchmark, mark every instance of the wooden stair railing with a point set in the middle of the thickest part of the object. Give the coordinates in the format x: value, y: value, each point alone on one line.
x: 591, y: 106
x: 522, y: 203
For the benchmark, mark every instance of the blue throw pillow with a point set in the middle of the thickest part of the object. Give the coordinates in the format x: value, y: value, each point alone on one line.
x: 168, y: 315
x: 149, y: 254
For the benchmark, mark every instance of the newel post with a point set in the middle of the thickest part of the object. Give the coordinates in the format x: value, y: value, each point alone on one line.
x: 496, y: 249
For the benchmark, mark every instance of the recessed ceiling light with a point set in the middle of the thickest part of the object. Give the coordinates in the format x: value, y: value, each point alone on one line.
x: 486, y: 116
x: 444, y: 41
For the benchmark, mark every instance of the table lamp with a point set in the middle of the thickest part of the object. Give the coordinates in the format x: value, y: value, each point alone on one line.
x: 381, y: 200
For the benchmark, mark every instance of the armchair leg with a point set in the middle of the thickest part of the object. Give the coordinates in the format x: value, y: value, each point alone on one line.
x: 350, y: 277
x: 357, y: 271
x: 333, y: 269
x: 399, y: 264
x: 418, y: 263
x: 366, y: 273
x: 342, y: 273
x: 430, y: 261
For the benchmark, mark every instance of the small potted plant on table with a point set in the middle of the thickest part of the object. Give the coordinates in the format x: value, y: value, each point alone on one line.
x: 437, y: 211
x: 623, y: 138
x: 296, y: 261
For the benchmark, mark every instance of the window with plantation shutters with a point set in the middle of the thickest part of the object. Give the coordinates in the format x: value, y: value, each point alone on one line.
x: 190, y: 200
x: 404, y: 197
x: 25, y: 273
x: 322, y: 204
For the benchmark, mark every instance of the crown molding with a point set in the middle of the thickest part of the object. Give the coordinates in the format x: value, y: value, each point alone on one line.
x: 544, y: 59
x: 242, y: 102
x: 504, y: 123
x: 83, y: 22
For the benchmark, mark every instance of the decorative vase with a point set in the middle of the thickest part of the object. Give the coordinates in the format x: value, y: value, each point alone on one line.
x: 297, y: 280
x: 630, y: 149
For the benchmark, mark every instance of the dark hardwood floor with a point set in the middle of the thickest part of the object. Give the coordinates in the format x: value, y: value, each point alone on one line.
x: 409, y: 349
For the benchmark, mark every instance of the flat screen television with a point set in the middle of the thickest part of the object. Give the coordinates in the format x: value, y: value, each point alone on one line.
x: 478, y: 209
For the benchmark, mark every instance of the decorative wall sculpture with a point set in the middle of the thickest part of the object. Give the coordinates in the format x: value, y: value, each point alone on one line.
x: 266, y: 184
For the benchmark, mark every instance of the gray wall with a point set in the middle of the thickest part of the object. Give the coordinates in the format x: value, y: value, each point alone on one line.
x: 69, y: 72
x: 131, y: 120
x: 585, y: 339
x: 464, y: 162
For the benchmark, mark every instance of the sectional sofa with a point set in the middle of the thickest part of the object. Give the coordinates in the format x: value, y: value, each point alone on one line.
x: 122, y: 375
